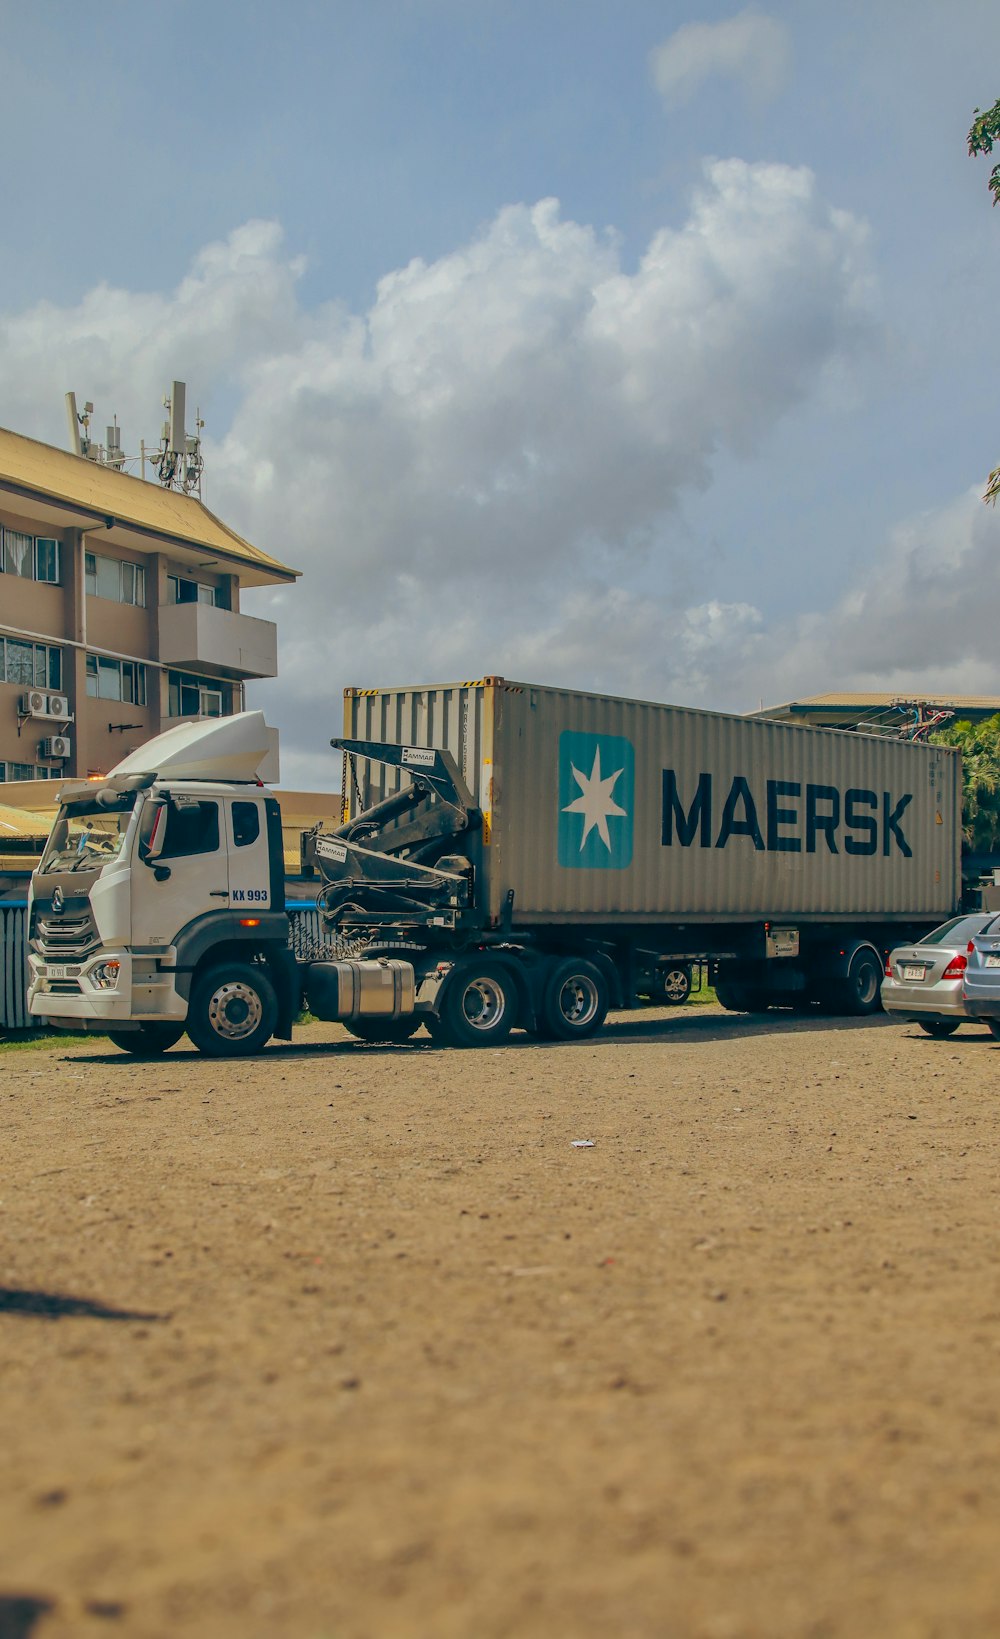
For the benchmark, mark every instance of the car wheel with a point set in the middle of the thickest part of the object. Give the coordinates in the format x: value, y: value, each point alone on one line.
x: 233, y: 1010
x: 939, y: 1027
x: 993, y: 1026
x: 575, y: 1001
x: 671, y: 985
x: 478, y: 1006
x: 386, y: 1030
x: 149, y: 1041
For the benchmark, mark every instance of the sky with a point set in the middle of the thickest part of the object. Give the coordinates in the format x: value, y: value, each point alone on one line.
x: 642, y: 348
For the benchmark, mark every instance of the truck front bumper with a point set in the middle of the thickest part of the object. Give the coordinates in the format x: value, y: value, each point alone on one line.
x: 96, y: 991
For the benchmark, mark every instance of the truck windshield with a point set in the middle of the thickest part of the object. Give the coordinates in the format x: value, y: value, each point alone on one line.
x: 87, y: 834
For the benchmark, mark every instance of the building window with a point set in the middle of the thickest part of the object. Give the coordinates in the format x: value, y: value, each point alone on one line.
x: 32, y: 665
x: 181, y: 590
x: 115, y: 579
x: 190, y: 696
x: 28, y: 771
x: 116, y: 680
x: 30, y: 557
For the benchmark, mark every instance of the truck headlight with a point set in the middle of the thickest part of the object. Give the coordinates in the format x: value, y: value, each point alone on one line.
x: 105, y: 975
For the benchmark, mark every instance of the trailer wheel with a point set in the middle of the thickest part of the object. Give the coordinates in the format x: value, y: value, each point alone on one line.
x: 149, y: 1041
x: 478, y: 1006
x: 575, y: 1001
x: 386, y: 1030
x: 737, y: 998
x: 233, y: 1010
x: 860, y: 990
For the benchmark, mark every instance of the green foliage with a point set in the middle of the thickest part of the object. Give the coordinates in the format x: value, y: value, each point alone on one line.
x: 979, y: 744
x: 984, y: 133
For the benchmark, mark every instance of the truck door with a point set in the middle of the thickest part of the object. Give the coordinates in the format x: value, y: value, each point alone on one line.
x: 189, y: 875
x: 249, y: 863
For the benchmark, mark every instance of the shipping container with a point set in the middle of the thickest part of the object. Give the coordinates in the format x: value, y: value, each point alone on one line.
x: 621, y: 813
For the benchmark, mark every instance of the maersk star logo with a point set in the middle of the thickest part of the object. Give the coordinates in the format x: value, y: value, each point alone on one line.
x: 596, y: 791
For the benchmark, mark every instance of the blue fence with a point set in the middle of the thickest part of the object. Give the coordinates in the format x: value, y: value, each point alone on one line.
x: 14, y: 965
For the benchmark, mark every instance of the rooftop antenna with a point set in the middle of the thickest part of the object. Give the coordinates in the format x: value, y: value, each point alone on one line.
x: 80, y: 441
x: 114, y: 455
x: 178, y: 461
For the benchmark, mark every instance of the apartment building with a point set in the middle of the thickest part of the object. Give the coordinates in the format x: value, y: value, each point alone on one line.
x: 119, y: 612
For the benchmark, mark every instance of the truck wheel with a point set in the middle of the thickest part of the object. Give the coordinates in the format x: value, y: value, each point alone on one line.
x: 149, y: 1041
x: 575, y: 1002
x: 737, y: 998
x: 859, y: 993
x: 233, y: 1010
x: 478, y: 1006
x: 387, y: 1030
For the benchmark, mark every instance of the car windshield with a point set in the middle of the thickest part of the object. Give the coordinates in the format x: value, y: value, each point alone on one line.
x: 87, y: 834
x: 959, y: 929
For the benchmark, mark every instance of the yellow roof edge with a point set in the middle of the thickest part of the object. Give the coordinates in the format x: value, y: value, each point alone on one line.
x: 46, y: 486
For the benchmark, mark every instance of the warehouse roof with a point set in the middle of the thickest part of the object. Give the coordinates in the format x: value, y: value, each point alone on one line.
x: 82, y: 492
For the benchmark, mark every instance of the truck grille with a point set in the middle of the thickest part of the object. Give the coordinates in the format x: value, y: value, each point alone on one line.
x: 71, y: 937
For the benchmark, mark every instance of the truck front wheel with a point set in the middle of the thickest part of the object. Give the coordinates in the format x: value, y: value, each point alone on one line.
x: 233, y: 1010
x: 478, y: 1007
x: 149, y: 1041
x: 575, y: 1003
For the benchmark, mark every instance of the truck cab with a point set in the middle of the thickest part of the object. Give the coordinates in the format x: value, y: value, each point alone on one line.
x: 158, y: 905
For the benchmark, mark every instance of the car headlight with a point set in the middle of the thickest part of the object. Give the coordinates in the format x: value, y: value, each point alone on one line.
x: 105, y: 975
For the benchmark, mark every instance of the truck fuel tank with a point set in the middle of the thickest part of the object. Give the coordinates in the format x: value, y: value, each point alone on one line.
x: 351, y: 990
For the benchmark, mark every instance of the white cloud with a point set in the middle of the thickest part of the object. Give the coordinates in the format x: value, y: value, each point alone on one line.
x: 751, y: 48
x: 483, y: 473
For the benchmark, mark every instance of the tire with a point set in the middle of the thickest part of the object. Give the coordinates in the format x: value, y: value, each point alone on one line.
x: 940, y: 1027
x: 233, y: 1010
x: 993, y: 1026
x: 737, y: 998
x: 384, y: 1030
x: 574, y: 1002
x: 860, y: 990
x: 671, y: 986
x: 478, y: 1006
x: 149, y: 1041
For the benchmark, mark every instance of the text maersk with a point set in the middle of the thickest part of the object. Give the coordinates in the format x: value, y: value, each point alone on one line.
x: 791, y: 818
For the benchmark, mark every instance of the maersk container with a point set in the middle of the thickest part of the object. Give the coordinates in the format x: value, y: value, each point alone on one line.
x: 618, y: 812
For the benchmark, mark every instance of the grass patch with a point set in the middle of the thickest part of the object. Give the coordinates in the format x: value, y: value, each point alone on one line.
x: 22, y: 1039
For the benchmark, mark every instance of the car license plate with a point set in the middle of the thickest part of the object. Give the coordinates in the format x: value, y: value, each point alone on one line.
x: 56, y: 972
x: 991, y: 961
x: 912, y: 972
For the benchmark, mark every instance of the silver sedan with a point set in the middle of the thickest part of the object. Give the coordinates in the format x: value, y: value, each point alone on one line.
x: 981, y: 980
x: 924, y: 982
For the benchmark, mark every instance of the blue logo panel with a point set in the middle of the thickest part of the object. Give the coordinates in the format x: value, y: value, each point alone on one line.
x: 596, y: 801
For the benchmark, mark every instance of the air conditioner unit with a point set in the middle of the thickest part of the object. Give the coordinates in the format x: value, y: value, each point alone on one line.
x: 35, y: 704
x: 59, y: 707
x: 57, y: 747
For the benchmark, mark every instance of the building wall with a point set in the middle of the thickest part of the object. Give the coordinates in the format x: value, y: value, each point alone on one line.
x: 116, y: 636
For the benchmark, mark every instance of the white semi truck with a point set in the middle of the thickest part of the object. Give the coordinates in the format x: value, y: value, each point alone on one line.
x: 510, y: 855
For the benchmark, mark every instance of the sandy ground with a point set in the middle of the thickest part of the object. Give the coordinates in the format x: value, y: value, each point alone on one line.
x: 348, y: 1342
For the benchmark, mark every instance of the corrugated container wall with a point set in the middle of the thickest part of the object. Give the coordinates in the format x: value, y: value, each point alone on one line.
x: 615, y: 811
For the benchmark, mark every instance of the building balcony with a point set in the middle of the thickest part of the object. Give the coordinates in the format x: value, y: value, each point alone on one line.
x: 231, y: 645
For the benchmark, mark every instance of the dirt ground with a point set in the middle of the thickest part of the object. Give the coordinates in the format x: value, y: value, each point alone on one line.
x: 354, y: 1343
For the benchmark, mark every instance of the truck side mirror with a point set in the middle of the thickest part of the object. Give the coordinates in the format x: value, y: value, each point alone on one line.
x: 151, y: 846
